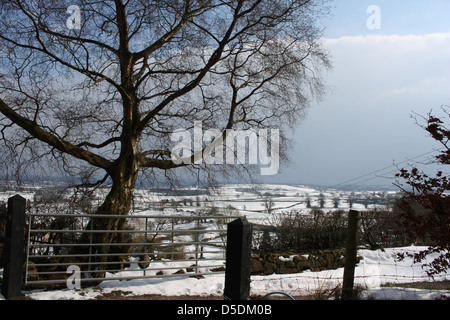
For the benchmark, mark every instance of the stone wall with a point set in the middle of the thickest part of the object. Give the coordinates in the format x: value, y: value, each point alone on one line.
x: 265, y: 264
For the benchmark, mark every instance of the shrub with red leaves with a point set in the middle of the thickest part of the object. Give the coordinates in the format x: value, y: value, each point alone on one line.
x: 431, y: 225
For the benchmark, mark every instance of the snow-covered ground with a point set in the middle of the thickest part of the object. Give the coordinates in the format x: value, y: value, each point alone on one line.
x: 375, y: 269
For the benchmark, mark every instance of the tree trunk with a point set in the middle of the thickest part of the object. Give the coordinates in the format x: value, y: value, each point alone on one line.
x: 117, y: 203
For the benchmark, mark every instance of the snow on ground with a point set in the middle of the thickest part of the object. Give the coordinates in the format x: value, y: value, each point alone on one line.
x: 375, y: 268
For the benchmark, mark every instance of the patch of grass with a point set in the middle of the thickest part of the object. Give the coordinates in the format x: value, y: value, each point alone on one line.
x: 115, y: 294
x: 425, y: 285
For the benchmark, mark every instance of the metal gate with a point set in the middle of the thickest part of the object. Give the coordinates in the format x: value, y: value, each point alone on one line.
x: 60, y: 245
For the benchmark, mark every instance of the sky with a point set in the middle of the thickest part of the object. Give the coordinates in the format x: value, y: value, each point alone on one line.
x: 389, y: 63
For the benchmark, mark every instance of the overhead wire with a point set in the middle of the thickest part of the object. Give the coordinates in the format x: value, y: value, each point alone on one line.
x: 345, y: 183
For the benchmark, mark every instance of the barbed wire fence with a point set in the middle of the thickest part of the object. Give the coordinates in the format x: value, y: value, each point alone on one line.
x: 379, y: 272
x: 405, y: 282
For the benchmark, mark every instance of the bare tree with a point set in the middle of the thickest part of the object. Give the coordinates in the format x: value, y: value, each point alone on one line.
x: 268, y: 204
x: 97, y: 89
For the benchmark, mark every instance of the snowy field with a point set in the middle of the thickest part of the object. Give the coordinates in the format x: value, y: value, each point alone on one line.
x: 375, y: 269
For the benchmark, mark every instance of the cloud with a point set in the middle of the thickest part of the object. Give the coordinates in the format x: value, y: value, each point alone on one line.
x: 427, y: 86
x: 364, y: 123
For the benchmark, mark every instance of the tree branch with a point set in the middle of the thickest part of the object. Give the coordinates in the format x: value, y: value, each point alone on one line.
x: 160, y: 164
x: 214, y: 58
x: 55, y: 142
x: 98, y: 146
x: 171, y: 33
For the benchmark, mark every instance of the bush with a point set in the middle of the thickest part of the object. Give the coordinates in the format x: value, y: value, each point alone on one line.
x: 297, y: 231
x: 431, y: 191
x: 379, y: 228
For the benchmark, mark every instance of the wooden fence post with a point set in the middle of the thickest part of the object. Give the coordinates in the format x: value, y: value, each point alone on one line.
x: 238, y: 260
x: 350, y: 255
x: 13, y: 250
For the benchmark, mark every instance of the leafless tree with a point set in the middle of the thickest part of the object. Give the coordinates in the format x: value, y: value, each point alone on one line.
x: 98, y: 91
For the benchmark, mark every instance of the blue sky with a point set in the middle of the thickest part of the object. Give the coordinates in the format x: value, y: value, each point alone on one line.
x: 401, y: 17
x: 380, y: 78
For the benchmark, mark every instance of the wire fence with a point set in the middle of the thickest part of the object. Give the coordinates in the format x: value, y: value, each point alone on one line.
x: 378, y: 275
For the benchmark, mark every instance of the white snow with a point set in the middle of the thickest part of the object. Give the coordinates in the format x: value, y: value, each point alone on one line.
x: 375, y: 268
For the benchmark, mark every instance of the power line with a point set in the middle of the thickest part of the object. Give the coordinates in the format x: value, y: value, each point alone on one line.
x: 380, y: 170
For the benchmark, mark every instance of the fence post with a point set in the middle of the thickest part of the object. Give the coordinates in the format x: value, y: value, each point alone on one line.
x: 350, y: 255
x: 14, y: 248
x: 238, y: 260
